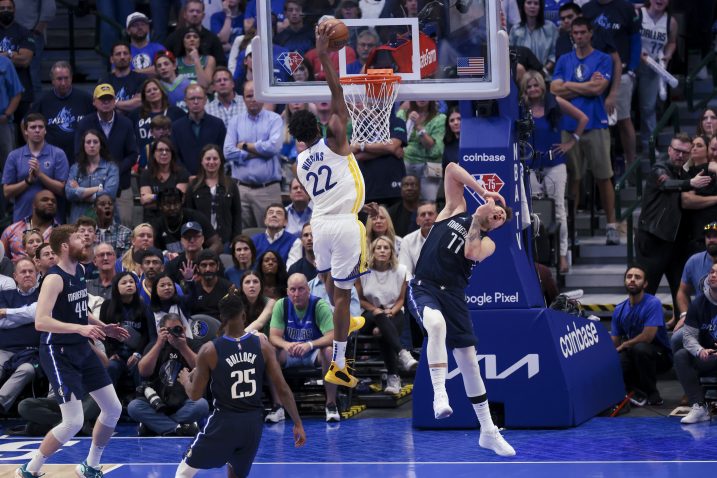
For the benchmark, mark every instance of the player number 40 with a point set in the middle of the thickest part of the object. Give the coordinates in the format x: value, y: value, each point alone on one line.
x: 243, y: 376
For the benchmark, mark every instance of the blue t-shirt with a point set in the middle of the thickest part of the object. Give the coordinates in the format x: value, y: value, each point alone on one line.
x: 9, y: 82
x: 144, y: 57
x: 544, y: 137
x: 696, y: 269
x: 628, y: 321
x: 277, y: 8
x: 217, y: 22
x: 580, y: 70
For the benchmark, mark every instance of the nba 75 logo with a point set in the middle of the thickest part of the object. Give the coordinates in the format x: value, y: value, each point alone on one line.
x: 290, y: 61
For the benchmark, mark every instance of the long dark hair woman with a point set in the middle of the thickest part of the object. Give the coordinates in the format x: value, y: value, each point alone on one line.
x: 216, y: 195
x: 258, y: 307
x: 163, y: 172
x: 165, y: 300
x: 243, y: 254
x: 271, y: 270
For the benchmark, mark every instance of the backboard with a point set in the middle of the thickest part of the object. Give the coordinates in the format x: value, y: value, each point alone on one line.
x: 452, y: 49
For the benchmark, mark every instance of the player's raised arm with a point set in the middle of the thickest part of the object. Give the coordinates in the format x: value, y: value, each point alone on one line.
x: 339, y: 113
x: 455, y: 179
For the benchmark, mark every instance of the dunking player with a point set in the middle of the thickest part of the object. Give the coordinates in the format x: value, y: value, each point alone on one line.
x: 66, y: 357
x: 436, y: 295
x: 330, y: 174
x: 235, y: 362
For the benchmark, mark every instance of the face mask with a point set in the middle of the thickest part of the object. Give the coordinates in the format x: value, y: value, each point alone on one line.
x: 6, y: 18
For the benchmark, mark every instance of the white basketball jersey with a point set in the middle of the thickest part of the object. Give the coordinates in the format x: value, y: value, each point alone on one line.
x: 654, y: 34
x: 334, y: 182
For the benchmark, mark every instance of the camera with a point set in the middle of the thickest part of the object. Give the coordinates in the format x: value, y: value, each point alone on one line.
x: 177, y: 331
x: 152, y: 397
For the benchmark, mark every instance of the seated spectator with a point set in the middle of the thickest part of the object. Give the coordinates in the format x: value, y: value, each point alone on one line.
x: 639, y: 334
x: 271, y: 270
x: 535, y: 33
x: 276, y: 238
x: 382, y: 225
x: 19, y: 353
x: 228, y: 23
x: 258, y: 306
x: 183, y: 268
x: 312, y: 57
x: 87, y: 229
x: 707, y: 126
x: 142, y: 50
x: 165, y: 299
x: 192, y: 16
x: 423, y: 154
x: 303, y: 72
x: 192, y: 64
x: 243, y: 257
x: 126, y: 82
x: 152, y: 265
x: 154, y: 102
x: 164, y: 171
x: 207, y: 288
x: 412, y: 243
x: 173, y: 216
x: 298, y: 213
x: 302, y: 330
x: 32, y: 168
x: 168, y: 354
x: 42, y: 218
x: 125, y: 308
x: 698, y: 355
x: 94, y: 172
x: 165, y: 64
x: 196, y: 130
x: 318, y: 289
x: 382, y: 294
x: 215, y: 194
x: 108, y: 230
x: 227, y: 103
x: 403, y: 213
x: 31, y: 240
x: 104, y: 262
x: 160, y: 126
x: 9, y: 100
x: 298, y: 35
x: 44, y: 259
x: 141, y: 239
x: 307, y: 264
x: 277, y: 11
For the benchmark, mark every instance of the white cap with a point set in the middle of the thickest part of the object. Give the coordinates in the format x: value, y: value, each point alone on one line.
x: 133, y: 17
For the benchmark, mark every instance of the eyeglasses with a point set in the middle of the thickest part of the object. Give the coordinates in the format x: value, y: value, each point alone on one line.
x: 680, y: 152
x: 164, y: 150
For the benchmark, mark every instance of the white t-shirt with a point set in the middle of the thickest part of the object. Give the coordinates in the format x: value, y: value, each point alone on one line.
x: 384, y: 288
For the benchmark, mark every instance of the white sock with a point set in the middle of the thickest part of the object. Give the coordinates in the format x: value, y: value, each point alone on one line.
x: 339, y: 354
x: 38, y: 459
x: 438, y: 379
x: 93, y: 457
x: 185, y: 471
x: 483, y: 413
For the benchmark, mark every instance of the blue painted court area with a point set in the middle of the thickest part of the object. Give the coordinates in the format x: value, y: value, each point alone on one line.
x: 602, y: 447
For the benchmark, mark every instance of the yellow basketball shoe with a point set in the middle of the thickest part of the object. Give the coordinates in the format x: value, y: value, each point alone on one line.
x: 355, y: 323
x: 340, y: 376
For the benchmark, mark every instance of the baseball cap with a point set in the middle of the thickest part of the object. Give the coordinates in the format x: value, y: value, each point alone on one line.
x: 136, y: 17
x: 105, y: 89
x: 711, y: 228
x: 192, y: 226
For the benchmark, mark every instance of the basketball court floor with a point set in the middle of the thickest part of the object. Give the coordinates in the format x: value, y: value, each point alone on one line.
x: 652, y: 447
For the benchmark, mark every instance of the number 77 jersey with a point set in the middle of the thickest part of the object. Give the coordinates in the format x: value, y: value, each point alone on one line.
x: 334, y: 182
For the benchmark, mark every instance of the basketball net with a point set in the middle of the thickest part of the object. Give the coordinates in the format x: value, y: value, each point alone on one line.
x: 369, y: 99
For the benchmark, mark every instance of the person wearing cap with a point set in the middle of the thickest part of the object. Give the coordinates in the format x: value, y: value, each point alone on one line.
x: 125, y: 82
x: 207, y: 287
x: 142, y: 50
x: 193, y: 14
x: 185, y: 264
x: 64, y: 107
x: 119, y: 135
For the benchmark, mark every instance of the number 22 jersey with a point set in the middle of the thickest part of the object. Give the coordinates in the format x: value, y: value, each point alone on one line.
x: 334, y: 182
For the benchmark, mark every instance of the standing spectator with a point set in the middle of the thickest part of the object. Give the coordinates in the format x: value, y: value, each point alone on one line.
x: 10, y: 94
x: 124, y: 80
x: 42, y: 219
x: 243, y: 257
x: 193, y: 14
x: 119, y: 135
x: 163, y: 172
x: 581, y: 77
x: 298, y: 213
x: 271, y: 270
x: 452, y: 138
x: 535, y: 33
x: 36, y: 166
x: 226, y: 103
x: 142, y: 50
x: 275, y: 237
x: 403, y: 213
x: 192, y: 62
x: 382, y: 225
x: 228, y: 23
x: 252, y: 147
x: 165, y: 64
x: 707, y: 125
x: 215, y: 194
x: 104, y: 262
x: 298, y: 35
x: 17, y: 44
x: 35, y: 15
x: 423, y: 154
x: 64, y: 107
x: 307, y: 264
x: 412, y: 243
x: 659, y: 42
x: 118, y: 12
x: 197, y: 129
x: 208, y: 288
x: 159, y: 11
x: 639, y: 335
x: 93, y: 173
x: 108, y: 230
x: 699, y: 207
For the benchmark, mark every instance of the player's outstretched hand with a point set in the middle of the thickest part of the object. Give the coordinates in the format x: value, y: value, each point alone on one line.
x: 371, y: 209
x: 116, y: 332
x: 299, y: 436
x: 94, y: 332
x: 322, y: 30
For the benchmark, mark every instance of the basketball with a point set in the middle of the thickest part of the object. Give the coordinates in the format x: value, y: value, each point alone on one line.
x: 339, y: 36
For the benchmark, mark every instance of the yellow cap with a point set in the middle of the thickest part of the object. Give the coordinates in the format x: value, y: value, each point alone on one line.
x: 105, y: 89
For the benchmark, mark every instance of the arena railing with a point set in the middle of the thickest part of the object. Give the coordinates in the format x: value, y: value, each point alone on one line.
x: 709, y: 59
x: 102, y: 21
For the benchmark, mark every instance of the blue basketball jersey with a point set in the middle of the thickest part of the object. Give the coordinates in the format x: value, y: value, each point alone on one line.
x: 238, y: 379
x: 442, y: 260
x: 70, y: 306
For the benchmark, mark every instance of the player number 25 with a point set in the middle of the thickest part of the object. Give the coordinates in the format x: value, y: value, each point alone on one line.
x: 243, y: 376
x: 317, y: 177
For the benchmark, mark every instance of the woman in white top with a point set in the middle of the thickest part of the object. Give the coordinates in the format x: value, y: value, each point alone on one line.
x: 382, y: 294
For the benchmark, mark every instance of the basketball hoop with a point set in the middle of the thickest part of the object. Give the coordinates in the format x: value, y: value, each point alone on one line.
x: 369, y: 99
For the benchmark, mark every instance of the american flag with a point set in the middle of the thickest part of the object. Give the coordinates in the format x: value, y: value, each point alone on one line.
x: 471, y: 66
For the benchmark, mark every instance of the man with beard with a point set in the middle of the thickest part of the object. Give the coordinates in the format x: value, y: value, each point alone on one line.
x: 126, y: 83
x: 152, y: 263
x: 109, y: 231
x: 142, y: 50
x: 403, y: 213
x: 639, y: 334
x: 42, y: 219
x: 208, y: 288
x: 307, y: 264
x: 67, y: 359
x: 183, y: 267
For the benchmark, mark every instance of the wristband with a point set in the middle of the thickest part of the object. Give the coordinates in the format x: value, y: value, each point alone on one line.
x: 683, y: 315
x: 311, y: 344
x: 362, y: 145
x: 138, y: 355
x: 576, y: 136
x: 422, y: 132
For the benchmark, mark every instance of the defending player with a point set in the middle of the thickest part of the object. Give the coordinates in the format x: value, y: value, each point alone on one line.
x: 330, y: 174
x: 235, y: 362
x: 66, y: 357
x: 436, y: 295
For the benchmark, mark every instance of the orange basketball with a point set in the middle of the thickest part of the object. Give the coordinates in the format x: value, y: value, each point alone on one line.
x: 339, y: 36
